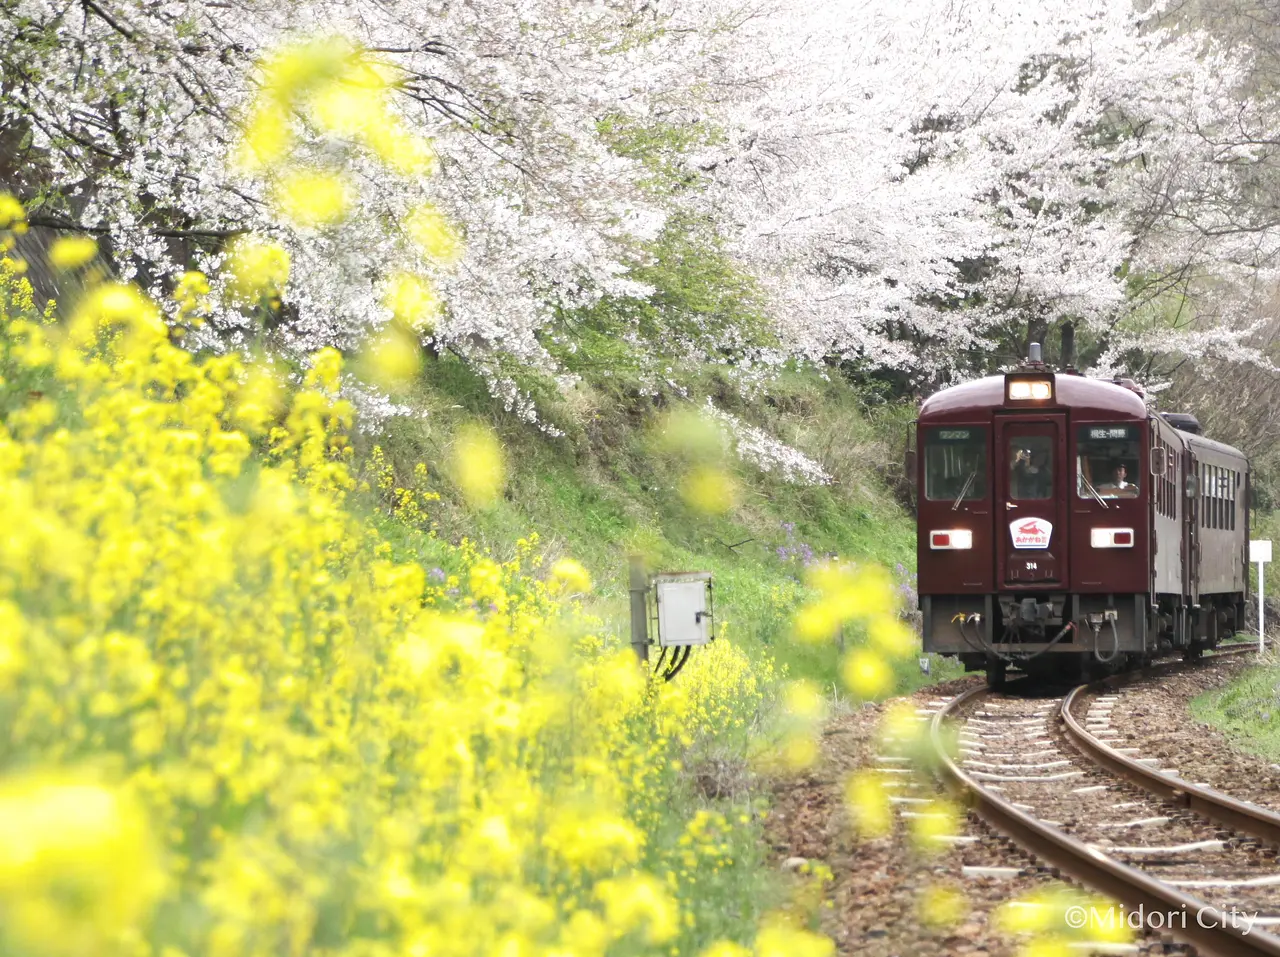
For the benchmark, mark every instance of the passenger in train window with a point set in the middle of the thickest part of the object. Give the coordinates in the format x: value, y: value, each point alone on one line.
x: 1032, y: 474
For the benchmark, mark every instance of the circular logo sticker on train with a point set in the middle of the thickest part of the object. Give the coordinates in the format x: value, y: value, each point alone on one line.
x: 1031, y: 532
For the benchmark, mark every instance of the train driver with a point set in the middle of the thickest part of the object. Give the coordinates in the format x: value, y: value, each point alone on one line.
x: 1119, y: 486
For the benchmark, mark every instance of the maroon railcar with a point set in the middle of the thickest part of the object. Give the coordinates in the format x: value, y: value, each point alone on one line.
x: 1063, y: 526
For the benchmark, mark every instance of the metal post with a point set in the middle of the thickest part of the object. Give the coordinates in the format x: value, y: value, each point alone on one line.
x: 1261, y: 592
x: 639, y: 610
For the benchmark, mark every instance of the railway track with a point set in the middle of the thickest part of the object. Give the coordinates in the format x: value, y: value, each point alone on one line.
x: 1197, y: 863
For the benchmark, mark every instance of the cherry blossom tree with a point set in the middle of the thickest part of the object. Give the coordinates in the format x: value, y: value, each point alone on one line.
x: 930, y: 185
x: 922, y: 186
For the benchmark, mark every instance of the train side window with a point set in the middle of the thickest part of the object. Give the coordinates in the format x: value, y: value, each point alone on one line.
x: 1108, y: 460
x: 1230, y: 499
x: 1210, y: 505
x: 1217, y: 496
x: 1218, y: 500
x: 955, y: 464
x: 1213, y: 496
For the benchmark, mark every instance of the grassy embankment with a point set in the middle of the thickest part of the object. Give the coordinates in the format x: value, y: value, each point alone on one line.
x: 605, y: 489
x: 1247, y: 710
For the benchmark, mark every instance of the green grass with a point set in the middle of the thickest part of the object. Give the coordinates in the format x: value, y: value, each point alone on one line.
x: 1247, y: 710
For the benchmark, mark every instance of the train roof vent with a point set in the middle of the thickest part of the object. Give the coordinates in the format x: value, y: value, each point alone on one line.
x: 1131, y: 386
x: 1183, y: 422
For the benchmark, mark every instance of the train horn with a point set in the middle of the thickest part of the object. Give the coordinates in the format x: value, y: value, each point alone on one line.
x: 1068, y: 347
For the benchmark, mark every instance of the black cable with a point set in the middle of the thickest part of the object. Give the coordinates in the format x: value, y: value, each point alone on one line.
x: 1014, y: 659
x: 677, y: 662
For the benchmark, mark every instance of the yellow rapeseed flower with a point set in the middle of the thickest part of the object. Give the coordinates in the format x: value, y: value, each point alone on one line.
x: 932, y: 823
x: 779, y: 939
x: 312, y: 198
x: 477, y: 465
x: 259, y: 269
x: 570, y: 576
x: 267, y: 138
x: 77, y: 863
x: 393, y: 359
x: 432, y: 234
x: 941, y: 907
x: 638, y: 902
x: 868, y: 805
x: 13, y: 217
x: 412, y: 301
x: 816, y: 623
x: 709, y: 490
x: 866, y: 674
x: 72, y: 252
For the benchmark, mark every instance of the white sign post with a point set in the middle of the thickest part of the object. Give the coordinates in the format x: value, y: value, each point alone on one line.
x: 1260, y: 552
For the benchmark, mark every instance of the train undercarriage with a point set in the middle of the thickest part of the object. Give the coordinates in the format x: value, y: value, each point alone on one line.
x: 1064, y: 636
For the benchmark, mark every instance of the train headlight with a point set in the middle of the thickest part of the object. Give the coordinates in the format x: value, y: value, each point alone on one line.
x: 1021, y: 390
x: 1111, y: 537
x: 951, y: 538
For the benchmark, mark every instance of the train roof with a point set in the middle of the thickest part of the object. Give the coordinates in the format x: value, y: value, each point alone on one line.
x: 1200, y: 442
x: 1080, y: 394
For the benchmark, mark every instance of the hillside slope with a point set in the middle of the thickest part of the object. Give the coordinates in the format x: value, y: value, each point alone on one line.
x: 606, y: 488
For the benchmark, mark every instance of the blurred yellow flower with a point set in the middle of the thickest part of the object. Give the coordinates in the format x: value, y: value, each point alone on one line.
x: 77, y: 864
x: 13, y: 217
x: 726, y: 949
x: 412, y: 301
x: 570, y: 576
x: 298, y: 67
x: 780, y: 939
x: 868, y: 805
x: 393, y: 359
x: 941, y: 907
x: 478, y: 465
x: 803, y: 699
x: 258, y: 269
x: 932, y: 823
x: 72, y: 252
x: 638, y: 902
x: 267, y: 137
x: 892, y: 637
x: 433, y: 235
x: 709, y: 490
x: 816, y: 623
x: 311, y: 198
x: 866, y: 675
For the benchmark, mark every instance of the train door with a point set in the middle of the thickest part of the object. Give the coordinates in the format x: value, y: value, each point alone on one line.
x: 1189, y: 489
x: 1031, y: 481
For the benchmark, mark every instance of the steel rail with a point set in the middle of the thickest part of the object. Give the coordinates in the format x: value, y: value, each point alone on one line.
x: 1210, y: 930
x: 1231, y: 812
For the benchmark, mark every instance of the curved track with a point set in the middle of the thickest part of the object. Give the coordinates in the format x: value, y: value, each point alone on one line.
x: 1033, y: 771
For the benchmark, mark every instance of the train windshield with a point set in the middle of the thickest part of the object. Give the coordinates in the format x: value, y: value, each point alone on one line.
x: 1030, y: 467
x: 955, y: 464
x: 1108, y: 461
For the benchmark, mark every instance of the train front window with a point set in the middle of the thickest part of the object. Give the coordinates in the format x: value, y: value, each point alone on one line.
x: 1030, y: 467
x: 1108, y: 460
x: 955, y: 464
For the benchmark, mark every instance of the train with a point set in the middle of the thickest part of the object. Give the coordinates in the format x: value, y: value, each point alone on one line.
x: 1067, y: 529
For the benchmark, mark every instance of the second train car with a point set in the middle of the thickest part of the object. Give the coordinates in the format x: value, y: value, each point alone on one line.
x: 1064, y: 528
